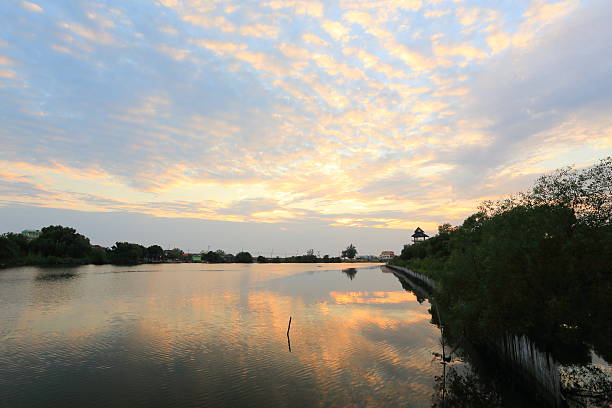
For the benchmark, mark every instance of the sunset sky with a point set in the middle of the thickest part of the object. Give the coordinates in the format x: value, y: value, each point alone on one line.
x: 307, y: 122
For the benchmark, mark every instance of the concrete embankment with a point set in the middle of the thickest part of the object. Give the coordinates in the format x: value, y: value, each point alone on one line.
x: 425, y: 279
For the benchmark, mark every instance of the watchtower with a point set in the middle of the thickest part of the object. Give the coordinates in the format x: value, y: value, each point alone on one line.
x: 419, y: 235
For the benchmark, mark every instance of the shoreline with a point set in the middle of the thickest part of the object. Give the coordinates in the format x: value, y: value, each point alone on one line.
x: 76, y: 264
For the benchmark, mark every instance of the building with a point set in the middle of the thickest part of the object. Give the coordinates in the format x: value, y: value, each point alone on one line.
x: 386, y: 255
x: 31, y: 234
x: 419, y: 235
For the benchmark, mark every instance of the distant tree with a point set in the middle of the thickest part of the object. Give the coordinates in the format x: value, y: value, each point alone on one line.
x: 154, y: 253
x: 12, y: 247
x: 261, y: 259
x: 349, y: 252
x: 445, y: 228
x: 126, y: 253
x: 587, y: 191
x: 212, y: 257
x: 61, y: 242
x: 174, y: 254
x: 244, y: 257
x: 98, y: 256
x: 310, y: 252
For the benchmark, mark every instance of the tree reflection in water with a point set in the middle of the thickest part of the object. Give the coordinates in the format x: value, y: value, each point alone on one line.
x: 457, y: 386
x: 350, y: 272
x: 458, y: 390
x: 46, y: 276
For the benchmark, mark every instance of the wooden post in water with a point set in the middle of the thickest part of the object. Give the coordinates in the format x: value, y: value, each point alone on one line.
x: 288, y: 338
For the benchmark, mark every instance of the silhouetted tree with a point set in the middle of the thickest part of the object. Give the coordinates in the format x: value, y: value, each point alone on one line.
x: 12, y: 247
x: 174, y: 254
x: 125, y: 253
x: 244, y: 257
x: 154, y: 253
x: 61, y: 242
x: 212, y: 257
x: 349, y: 252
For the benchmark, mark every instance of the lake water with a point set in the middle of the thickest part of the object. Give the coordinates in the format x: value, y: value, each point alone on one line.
x: 198, y: 335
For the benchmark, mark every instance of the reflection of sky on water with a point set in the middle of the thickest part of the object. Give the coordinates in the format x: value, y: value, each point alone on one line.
x: 190, y: 334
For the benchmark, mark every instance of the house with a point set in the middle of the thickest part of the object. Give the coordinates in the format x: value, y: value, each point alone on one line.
x: 386, y: 255
x: 419, y: 235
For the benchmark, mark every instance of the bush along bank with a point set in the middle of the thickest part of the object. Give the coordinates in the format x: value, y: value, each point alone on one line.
x: 536, y: 265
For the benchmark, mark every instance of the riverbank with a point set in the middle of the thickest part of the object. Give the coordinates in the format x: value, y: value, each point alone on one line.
x: 59, y: 262
x: 572, y: 385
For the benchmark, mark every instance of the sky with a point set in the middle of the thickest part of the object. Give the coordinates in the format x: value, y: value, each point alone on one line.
x: 291, y: 124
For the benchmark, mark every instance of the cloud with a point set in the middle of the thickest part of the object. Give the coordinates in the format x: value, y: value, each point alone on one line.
x: 294, y: 51
x: 306, y: 7
x: 177, y: 54
x: 90, y: 34
x: 32, y: 6
x: 355, y: 113
x: 540, y: 15
x: 6, y: 61
x: 206, y: 21
x: 336, y: 30
x: 466, y: 51
x: 314, y: 40
x: 7, y: 73
x: 436, y: 13
x: 370, y: 61
x: 411, y: 5
x: 517, y: 99
x: 260, y: 30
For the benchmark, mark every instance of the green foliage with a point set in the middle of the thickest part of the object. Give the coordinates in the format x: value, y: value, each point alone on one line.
x: 154, y: 253
x: 58, y: 245
x: 125, y: 253
x: 213, y: 257
x: 61, y: 242
x: 12, y: 247
x: 464, y: 390
x: 349, y: 252
x: 536, y: 264
x: 261, y: 259
x: 587, y: 191
x: 174, y: 254
x: 98, y: 256
x: 244, y: 257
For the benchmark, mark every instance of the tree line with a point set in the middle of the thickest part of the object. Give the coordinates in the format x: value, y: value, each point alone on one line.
x: 58, y: 245
x: 538, y: 263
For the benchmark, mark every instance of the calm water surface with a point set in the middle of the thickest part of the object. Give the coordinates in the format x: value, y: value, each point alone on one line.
x: 197, y: 335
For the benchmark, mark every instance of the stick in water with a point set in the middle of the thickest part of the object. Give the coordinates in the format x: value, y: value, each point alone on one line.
x: 289, y: 327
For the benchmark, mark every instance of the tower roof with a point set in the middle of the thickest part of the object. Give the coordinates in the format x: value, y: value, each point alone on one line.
x: 419, y: 233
